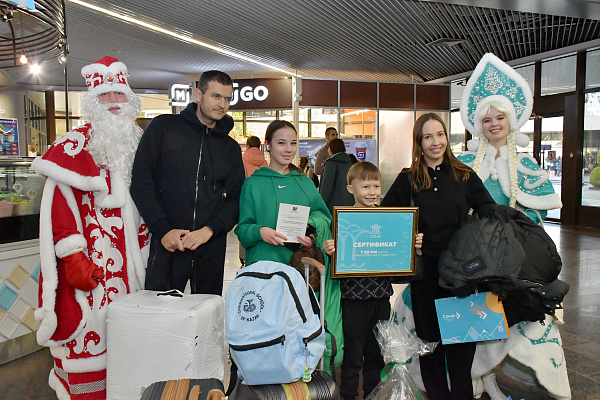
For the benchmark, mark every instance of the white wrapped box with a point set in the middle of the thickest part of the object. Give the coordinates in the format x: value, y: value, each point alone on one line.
x: 156, y: 338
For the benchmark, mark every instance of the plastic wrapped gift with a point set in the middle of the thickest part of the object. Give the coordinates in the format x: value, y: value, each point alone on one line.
x: 398, y: 346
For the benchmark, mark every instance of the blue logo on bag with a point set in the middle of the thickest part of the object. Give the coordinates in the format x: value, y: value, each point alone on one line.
x: 473, y: 265
x: 248, y: 304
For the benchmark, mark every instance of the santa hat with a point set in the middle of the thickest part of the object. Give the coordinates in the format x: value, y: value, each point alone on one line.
x: 106, y: 75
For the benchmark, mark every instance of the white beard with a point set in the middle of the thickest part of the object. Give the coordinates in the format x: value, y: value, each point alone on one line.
x: 114, y: 138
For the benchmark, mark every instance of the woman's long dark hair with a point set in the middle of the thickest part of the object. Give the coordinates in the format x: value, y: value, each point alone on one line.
x: 274, y: 127
x: 418, y: 168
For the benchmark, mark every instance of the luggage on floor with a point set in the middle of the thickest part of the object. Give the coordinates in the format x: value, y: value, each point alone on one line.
x: 321, y: 387
x: 185, y: 389
x: 271, y: 324
x: 157, y: 336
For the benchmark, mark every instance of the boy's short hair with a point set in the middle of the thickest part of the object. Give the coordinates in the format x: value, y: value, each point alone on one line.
x: 364, y: 171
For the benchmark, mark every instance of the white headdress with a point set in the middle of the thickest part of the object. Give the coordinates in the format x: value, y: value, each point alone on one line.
x: 495, y: 81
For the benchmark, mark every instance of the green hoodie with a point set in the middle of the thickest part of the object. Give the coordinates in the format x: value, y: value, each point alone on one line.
x: 259, y: 204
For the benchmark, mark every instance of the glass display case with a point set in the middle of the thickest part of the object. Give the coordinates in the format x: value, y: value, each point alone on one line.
x: 20, y: 198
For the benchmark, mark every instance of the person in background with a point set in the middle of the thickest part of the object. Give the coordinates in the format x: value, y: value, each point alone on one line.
x: 444, y: 189
x: 253, y: 157
x: 333, y: 182
x: 304, y: 166
x: 366, y: 300
x: 93, y: 243
x: 330, y: 134
x: 187, y: 178
x: 353, y: 158
x: 262, y: 194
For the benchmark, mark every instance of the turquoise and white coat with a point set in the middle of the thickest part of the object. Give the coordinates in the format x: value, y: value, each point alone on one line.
x: 535, y: 191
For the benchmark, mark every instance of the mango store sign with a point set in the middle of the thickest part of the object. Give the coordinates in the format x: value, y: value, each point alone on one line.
x: 247, y: 94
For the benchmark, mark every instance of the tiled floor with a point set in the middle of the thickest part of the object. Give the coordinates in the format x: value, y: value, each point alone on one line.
x: 26, y: 378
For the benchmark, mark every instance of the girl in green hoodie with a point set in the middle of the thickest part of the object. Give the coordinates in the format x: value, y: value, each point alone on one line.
x: 282, y: 182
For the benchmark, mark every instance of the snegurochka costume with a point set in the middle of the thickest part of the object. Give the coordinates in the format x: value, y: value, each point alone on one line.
x: 87, y: 219
x: 531, y: 344
x: 493, y: 80
x: 259, y: 206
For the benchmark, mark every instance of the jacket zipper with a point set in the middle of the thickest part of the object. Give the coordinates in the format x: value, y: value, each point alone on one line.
x: 193, y: 275
x: 253, y: 346
x: 197, y: 178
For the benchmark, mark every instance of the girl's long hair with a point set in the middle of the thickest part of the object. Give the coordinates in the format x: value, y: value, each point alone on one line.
x: 273, y: 127
x: 418, y: 168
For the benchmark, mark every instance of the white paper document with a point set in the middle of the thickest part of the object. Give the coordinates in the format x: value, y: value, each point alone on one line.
x: 292, y: 220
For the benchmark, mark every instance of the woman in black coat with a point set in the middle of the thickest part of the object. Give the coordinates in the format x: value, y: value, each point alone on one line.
x: 444, y: 189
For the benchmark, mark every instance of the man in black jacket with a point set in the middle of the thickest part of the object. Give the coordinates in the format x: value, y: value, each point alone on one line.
x: 186, y: 182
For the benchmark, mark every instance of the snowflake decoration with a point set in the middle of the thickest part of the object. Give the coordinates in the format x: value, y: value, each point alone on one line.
x: 493, y: 83
x: 519, y: 108
x: 512, y: 92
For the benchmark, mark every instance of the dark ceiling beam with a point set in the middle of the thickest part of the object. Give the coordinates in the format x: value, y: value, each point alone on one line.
x: 589, y: 9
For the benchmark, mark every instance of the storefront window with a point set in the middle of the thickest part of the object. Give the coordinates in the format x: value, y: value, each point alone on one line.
x: 303, y: 120
x: 358, y: 123
x: 238, y: 126
x: 527, y: 129
x: 590, y: 189
x: 75, y: 112
x: 321, y: 119
x: 456, y: 90
x: 395, y: 144
x: 592, y: 69
x: 457, y: 133
x: 558, y: 75
x: 36, y: 121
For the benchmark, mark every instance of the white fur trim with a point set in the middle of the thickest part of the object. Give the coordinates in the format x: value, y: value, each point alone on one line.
x: 57, y: 385
x: 46, y: 314
x: 114, y: 69
x: 547, y: 202
x: 521, y: 139
x: 506, y: 69
x: 136, y: 262
x: 118, y: 196
x: 70, y: 245
x: 88, y: 364
x: 536, y: 202
x: 473, y: 145
x: 59, y: 352
x: 63, y: 175
x: 529, y: 184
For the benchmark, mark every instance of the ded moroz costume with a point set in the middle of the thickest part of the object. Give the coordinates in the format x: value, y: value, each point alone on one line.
x: 92, y: 239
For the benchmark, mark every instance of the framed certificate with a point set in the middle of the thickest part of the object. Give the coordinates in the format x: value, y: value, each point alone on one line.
x: 374, y: 241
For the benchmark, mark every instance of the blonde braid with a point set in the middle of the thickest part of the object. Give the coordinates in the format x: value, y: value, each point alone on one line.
x: 483, y: 142
x: 511, y: 147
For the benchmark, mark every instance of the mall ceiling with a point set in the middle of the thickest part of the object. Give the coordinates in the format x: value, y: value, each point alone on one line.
x: 386, y: 40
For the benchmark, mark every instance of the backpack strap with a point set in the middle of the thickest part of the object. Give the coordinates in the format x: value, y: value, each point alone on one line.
x: 233, y: 378
x: 286, y: 278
